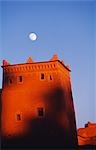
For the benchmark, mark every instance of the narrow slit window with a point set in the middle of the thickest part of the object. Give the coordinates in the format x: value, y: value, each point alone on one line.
x: 18, y: 117
x: 40, y: 112
x: 10, y: 81
x: 42, y: 76
x: 50, y: 77
x: 20, y: 78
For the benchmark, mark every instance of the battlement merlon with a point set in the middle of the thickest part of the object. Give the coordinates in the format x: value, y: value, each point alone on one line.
x: 5, y: 63
x: 31, y: 65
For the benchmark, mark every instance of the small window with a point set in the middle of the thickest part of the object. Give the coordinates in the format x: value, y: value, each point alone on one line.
x: 10, y: 81
x: 18, y: 117
x: 50, y: 77
x: 42, y: 76
x: 20, y: 78
x: 40, y: 112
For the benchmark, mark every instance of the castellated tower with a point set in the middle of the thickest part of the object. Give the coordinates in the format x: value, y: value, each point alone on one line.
x: 37, y: 105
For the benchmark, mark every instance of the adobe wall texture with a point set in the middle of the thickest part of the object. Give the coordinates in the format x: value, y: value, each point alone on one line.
x: 22, y: 101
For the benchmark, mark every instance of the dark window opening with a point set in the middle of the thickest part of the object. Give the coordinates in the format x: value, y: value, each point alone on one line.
x: 20, y: 78
x: 40, y: 112
x: 42, y: 75
x: 50, y: 77
x: 10, y: 81
x: 18, y: 117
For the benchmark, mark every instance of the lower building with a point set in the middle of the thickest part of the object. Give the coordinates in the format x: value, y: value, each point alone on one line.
x: 87, y: 135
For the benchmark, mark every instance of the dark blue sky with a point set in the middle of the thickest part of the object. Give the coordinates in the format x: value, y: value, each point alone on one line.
x: 63, y: 27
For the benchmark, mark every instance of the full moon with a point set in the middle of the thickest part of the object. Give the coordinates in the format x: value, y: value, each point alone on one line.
x: 32, y: 36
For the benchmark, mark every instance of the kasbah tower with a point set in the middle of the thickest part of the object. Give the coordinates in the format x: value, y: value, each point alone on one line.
x: 37, y: 104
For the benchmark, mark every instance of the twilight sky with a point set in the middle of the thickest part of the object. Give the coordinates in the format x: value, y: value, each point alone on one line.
x: 63, y: 27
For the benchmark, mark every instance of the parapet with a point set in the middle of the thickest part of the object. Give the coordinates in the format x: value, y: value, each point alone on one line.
x: 30, y: 65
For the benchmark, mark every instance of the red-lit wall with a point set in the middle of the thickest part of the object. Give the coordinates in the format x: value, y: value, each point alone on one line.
x: 26, y: 97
